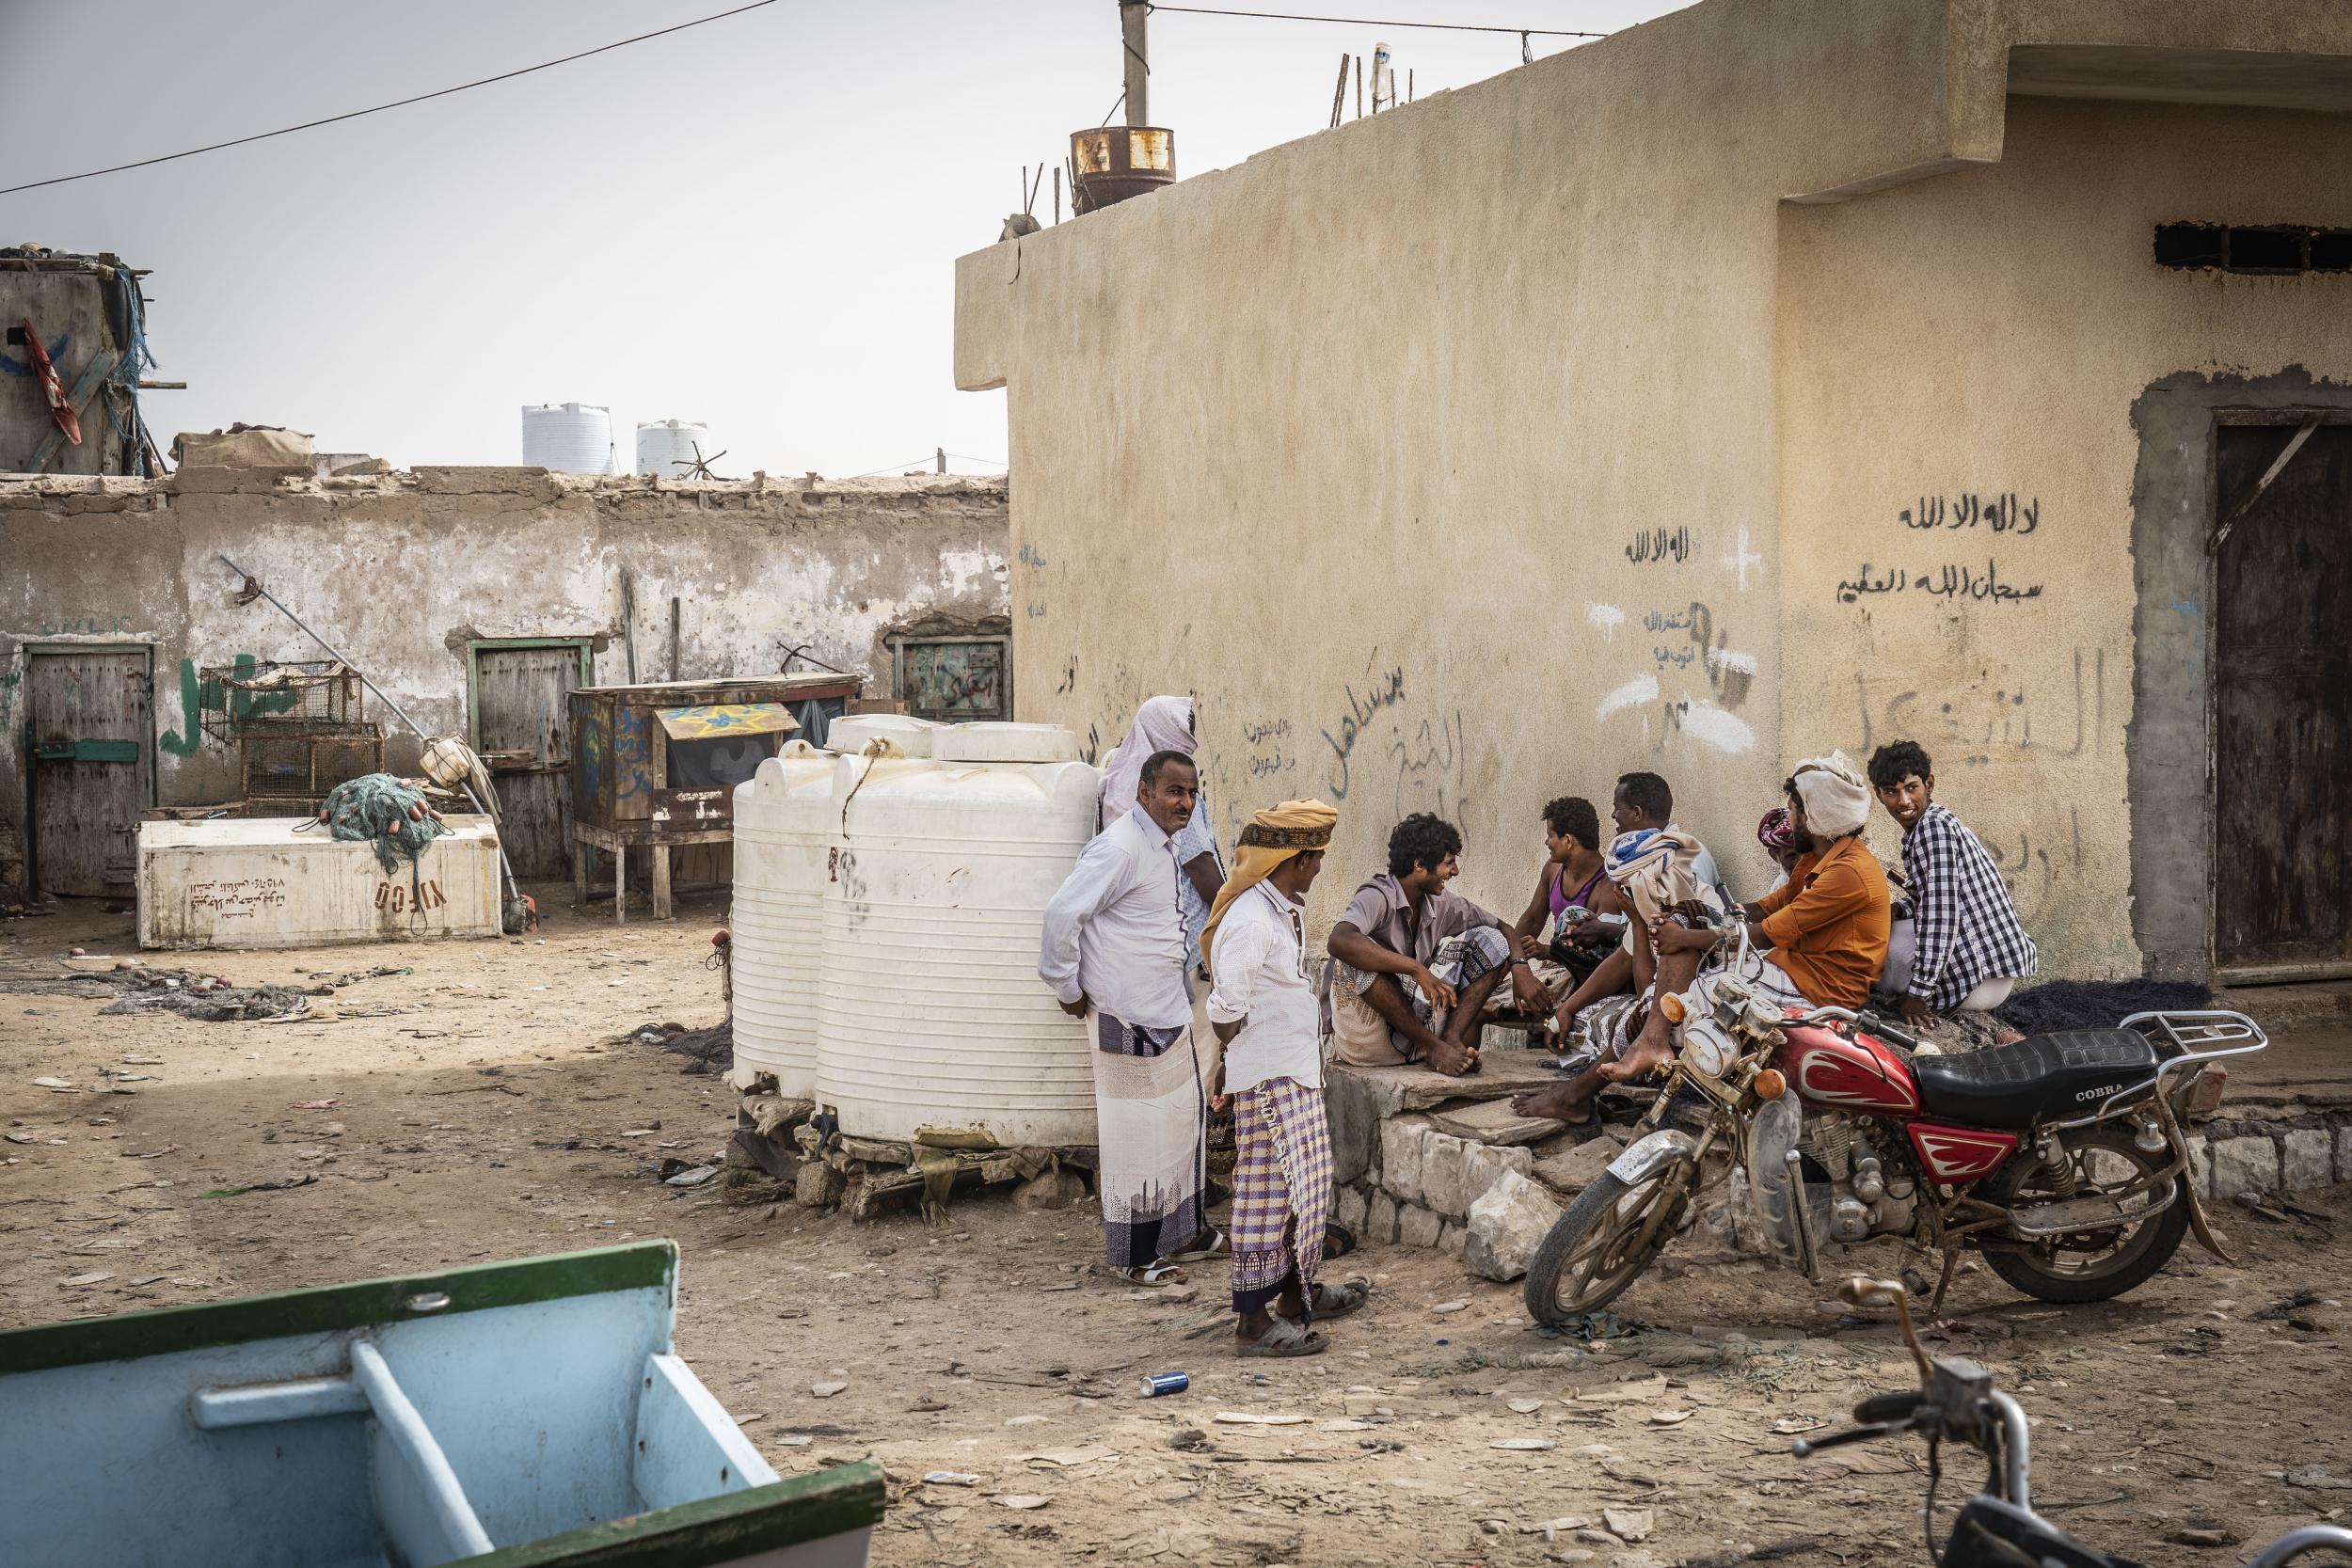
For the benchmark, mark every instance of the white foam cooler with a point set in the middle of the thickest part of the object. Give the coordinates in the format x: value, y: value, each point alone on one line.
x: 260, y: 882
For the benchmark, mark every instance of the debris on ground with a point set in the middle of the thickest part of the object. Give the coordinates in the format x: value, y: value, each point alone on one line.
x: 710, y: 1050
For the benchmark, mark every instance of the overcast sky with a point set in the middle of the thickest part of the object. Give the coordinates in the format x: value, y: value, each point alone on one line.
x: 752, y: 223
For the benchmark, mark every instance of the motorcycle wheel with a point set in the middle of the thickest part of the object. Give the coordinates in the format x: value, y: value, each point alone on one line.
x: 2089, y: 1265
x: 1597, y: 1249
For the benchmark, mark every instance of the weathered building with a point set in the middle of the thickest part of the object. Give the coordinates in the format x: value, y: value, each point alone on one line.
x: 1765, y: 378
x: 476, y: 598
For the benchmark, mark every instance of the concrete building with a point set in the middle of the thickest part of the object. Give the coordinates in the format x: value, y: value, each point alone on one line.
x: 1768, y: 377
x: 476, y: 598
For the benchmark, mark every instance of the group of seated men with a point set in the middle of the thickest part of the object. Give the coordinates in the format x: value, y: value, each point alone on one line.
x: 1418, y: 968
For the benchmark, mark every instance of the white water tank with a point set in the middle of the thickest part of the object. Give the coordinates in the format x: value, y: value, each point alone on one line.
x: 852, y: 732
x: 667, y: 447
x: 930, y: 1016
x: 784, y: 826
x: 567, y: 437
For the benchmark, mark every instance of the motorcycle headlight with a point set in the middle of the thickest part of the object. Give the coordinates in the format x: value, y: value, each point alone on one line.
x: 1706, y: 1051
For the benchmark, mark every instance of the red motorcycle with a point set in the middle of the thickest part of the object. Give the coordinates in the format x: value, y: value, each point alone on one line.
x: 2062, y: 1158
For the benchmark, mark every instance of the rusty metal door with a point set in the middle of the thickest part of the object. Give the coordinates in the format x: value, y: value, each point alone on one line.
x: 523, y: 731
x: 2283, y: 704
x: 91, y: 717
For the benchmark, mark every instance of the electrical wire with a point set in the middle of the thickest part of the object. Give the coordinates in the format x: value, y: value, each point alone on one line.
x: 1367, y: 21
x: 991, y: 461
x: 894, y: 467
x: 396, y: 103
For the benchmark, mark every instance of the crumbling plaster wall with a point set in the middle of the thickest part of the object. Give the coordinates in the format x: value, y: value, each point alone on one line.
x: 1991, y: 335
x: 402, y: 571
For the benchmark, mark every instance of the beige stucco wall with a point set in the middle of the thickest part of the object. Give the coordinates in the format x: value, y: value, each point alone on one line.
x: 1987, y: 333
x: 1358, y: 441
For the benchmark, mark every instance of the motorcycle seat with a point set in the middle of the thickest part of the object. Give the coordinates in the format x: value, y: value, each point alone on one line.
x: 2042, y: 1078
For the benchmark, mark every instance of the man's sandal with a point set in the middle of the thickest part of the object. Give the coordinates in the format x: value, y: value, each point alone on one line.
x: 1161, y: 1273
x: 1287, y: 1338
x: 1338, y: 1301
x: 1209, y: 1245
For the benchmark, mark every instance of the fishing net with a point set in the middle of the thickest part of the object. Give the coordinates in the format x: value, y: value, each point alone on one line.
x: 386, y: 814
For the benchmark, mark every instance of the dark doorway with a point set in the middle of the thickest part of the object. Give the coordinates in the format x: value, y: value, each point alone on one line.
x: 93, y: 731
x: 522, y: 728
x: 2283, y: 704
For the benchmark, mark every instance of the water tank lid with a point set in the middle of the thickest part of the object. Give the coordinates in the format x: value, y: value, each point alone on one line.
x: 913, y: 736
x: 1000, y: 742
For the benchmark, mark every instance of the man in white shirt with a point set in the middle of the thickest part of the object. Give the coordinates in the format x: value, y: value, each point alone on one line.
x: 1264, y: 1010
x: 1114, y: 953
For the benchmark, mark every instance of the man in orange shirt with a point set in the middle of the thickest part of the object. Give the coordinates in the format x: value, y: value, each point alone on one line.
x: 1823, y: 932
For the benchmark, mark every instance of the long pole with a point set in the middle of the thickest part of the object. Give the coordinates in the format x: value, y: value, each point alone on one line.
x: 513, y: 888
x: 1131, y: 15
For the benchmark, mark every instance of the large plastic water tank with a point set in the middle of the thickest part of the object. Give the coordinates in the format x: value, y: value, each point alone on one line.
x: 668, y: 447
x: 930, y: 1016
x: 852, y: 732
x: 784, y: 826
x: 567, y: 437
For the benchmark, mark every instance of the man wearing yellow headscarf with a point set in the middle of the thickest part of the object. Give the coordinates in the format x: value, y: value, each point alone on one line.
x: 1264, y: 1012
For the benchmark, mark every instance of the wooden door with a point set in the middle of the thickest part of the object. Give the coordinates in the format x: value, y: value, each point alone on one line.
x: 523, y: 731
x: 93, y: 724
x: 2283, y: 704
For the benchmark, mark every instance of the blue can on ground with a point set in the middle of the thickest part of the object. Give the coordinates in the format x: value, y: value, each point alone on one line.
x: 1166, y: 1383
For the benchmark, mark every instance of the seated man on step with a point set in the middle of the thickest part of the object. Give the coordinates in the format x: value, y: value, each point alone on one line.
x: 1412, y: 965
x: 1820, y: 937
x: 1970, y: 950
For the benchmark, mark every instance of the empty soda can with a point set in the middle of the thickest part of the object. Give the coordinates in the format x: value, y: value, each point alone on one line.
x: 1166, y: 1383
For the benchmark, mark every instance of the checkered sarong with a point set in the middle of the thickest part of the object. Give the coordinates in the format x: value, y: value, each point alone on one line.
x: 1282, y: 1191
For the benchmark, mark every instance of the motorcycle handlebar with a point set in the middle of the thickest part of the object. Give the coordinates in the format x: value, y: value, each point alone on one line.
x: 1806, y: 1447
x: 1889, y: 1409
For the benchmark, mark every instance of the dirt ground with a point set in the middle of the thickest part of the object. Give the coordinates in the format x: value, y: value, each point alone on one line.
x: 480, y: 1109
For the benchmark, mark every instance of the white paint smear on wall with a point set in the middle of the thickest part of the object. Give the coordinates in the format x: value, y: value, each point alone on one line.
x: 1605, y: 619
x: 1718, y: 727
x: 1728, y: 658
x: 1641, y: 688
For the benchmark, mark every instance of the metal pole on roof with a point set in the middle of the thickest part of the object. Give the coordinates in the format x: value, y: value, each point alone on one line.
x: 513, y: 888
x: 1131, y: 16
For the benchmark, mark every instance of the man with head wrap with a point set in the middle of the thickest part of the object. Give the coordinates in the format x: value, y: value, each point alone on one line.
x: 1263, y: 1010
x: 1825, y: 928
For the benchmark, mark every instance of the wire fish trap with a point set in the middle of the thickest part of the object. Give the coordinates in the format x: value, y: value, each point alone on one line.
x: 247, y: 700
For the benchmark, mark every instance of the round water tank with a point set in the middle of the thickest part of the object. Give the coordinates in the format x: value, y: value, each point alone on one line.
x: 567, y: 437
x: 930, y: 1016
x: 852, y: 732
x: 990, y: 741
x: 785, y: 827
x: 668, y: 447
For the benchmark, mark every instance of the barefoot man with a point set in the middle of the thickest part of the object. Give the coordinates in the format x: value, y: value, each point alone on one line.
x: 1413, y: 965
x: 1262, y: 1008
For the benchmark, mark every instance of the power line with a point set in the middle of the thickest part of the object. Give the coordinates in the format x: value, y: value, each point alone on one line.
x: 1366, y: 22
x: 967, y: 457
x: 895, y: 467
x: 397, y: 103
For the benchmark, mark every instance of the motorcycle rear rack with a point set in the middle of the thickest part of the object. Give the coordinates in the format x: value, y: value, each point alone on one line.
x: 2194, y: 1040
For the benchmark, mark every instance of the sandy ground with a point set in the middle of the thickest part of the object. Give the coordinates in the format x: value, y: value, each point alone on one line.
x: 487, y: 1114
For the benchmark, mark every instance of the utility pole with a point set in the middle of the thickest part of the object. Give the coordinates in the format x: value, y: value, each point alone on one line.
x: 940, y: 455
x: 1131, y: 14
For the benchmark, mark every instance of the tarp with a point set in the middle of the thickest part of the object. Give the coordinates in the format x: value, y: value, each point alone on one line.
x: 713, y: 720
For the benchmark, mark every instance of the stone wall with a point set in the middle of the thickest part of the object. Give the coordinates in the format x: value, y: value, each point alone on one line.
x: 405, y: 570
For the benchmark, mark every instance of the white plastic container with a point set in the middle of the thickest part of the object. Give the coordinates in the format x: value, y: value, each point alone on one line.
x: 567, y: 437
x: 258, y: 882
x: 666, y: 448
x: 784, y: 826
x: 931, y: 1017
x: 850, y: 734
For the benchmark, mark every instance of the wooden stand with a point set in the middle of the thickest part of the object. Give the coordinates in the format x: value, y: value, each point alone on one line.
x: 587, y: 840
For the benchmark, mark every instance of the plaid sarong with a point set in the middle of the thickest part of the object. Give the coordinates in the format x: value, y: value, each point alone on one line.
x: 1282, y: 1191
x: 1151, y: 1117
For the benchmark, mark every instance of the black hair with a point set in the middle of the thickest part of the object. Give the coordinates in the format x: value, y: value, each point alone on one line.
x: 1649, y: 795
x: 1898, y: 760
x: 1422, y: 840
x: 1573, y: 816
x: 1788, y: 788
x: 1157, y: 760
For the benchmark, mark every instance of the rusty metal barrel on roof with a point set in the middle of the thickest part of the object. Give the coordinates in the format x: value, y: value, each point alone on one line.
x: 1112, y: 163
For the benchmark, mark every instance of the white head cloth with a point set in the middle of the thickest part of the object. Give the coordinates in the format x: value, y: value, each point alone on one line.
x: 1162, y: 724
x: 1836, y: 798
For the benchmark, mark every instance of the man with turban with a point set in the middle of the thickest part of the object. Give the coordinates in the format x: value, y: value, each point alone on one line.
x: 1264, y: 1009
x: 1821, y: 934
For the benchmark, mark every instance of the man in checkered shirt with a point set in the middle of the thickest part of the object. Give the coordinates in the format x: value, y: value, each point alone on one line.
x: 1971, y: 951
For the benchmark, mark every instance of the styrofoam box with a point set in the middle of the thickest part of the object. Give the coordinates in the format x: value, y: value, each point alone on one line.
x: 272, y: 882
